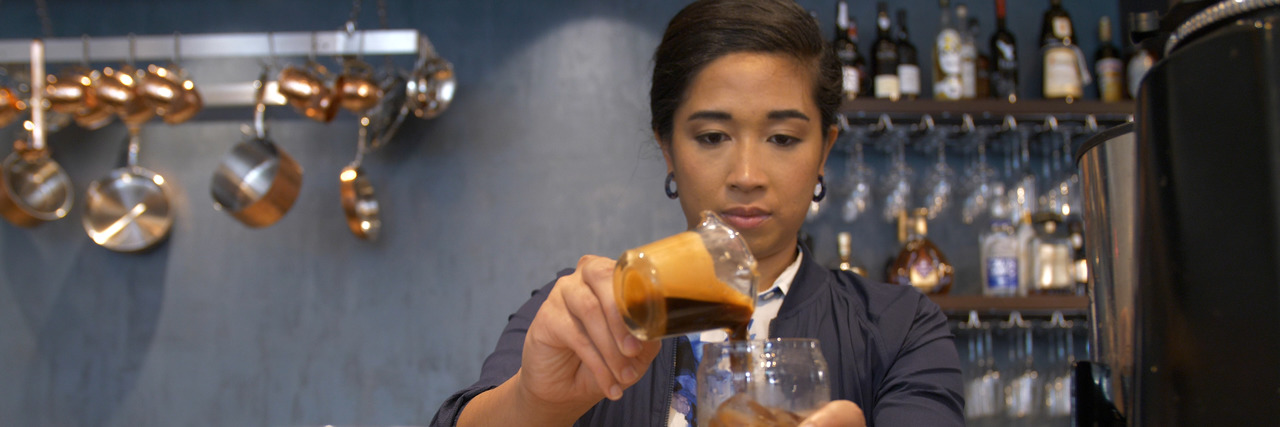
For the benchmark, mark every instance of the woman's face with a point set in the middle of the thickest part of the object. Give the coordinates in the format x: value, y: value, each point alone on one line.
x: 747, y: 143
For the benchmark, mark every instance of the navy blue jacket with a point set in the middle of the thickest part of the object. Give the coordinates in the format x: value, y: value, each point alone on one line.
x: 888, y: 348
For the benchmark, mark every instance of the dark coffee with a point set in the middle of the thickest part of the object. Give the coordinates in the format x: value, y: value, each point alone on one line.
x: 689, y: 315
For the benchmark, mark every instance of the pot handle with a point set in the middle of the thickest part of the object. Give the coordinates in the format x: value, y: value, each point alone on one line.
x: 260, y: 106
x: 37, y: 94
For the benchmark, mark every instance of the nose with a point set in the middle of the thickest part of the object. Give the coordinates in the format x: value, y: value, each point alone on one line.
x: 746, y: 173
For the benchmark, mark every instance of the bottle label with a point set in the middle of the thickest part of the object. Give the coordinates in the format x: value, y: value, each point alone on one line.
x: 948, y: 51
x: 1110, y: 79
x: 1061, y: 73
x: 968, y: 78
x: 947, y: 89
x: 1062, y: 27
x: 1002, y: 274
x: 851, y: 81
x: 909, y: 79
x: 887, y: 87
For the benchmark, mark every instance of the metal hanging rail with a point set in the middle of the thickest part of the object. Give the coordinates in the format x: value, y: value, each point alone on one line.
x: 216, y: 45
x: 152, y: 48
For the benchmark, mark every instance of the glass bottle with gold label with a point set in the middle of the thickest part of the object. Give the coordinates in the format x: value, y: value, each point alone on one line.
x: 920, y: 263
x: 844, y: 248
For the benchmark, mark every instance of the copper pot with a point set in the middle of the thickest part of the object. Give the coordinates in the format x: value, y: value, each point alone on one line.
x: 256, y: 182
x: 358, y: 201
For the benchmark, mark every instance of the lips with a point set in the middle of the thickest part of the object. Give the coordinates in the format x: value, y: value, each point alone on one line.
x: 745, y: 218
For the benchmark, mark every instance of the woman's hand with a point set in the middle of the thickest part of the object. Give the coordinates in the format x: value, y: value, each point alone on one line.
x: 841, y: 413
x: 578, y: 349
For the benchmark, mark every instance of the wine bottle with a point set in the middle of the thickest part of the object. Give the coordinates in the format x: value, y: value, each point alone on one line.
x: 886, y: 56
x: 852, y: 65
x: 1004, y: 49
x: 981, y: 62
x: 1145, y: 54
x: 968, y: 55
x: 908, y: 61
x: 946, y: 56
x: 1061, y: 58
x: 1108, y: 64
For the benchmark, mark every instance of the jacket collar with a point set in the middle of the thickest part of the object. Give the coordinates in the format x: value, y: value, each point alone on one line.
x: 809, y: 281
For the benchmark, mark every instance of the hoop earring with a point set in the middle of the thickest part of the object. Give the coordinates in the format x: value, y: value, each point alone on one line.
x: 820, y: 191
x: 671, y: 193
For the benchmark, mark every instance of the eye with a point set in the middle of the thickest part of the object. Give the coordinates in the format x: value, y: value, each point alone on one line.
x: 784, y: 140
x: 711, y: 138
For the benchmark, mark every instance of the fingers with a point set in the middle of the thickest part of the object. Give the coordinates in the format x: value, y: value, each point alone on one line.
x: 595, y: 336
x: 841, y: 413
x: 597, y: 274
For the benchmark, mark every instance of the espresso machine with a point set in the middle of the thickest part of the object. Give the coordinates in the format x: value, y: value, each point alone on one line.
x: 1182, y: 213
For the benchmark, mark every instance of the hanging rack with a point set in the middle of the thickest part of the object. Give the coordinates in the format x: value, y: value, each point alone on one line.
x: 218, y: 46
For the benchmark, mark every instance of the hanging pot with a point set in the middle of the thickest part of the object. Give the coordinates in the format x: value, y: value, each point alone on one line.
x: 35, y: 188
x: 385, y: 119
x: 358, y: 201
x: 432, y: 85
x: 256, y: 183
x: 128, y: 210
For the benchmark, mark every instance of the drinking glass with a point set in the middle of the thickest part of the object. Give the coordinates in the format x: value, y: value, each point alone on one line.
x: 764, y: 383
x: 1023, y: 389
x: 980, y: 191
x: 897, y: 184
x: 859, y: 180
x: 940, y: 179
x: 693, y: 281
x: 1057, y: 387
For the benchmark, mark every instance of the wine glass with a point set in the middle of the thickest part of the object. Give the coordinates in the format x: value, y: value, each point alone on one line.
x: 939, y: 179
x: 897, y: 183
x: 1057, y: 388
x: 859, y: 179
x: 1022, y: 391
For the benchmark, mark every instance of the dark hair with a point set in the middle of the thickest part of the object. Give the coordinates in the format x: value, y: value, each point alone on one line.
x: 709, y: 29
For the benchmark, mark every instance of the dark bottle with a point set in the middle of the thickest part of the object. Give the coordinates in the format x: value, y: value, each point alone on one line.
x: 853, y: 66
x: 920, y: 263
x: 982, y: 65
x: 1004, y: 51
x: 1062, y: 60
x: 1109, y: 66
x: 908, y: 61
x: 1146, y: 50
x: 886, y: 57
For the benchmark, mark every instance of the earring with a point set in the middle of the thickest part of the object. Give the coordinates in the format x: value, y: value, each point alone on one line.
x: 820, y: 190
x: 672, y: 193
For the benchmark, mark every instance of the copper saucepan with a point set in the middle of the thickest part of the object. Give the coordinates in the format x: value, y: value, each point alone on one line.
x: 128, y: 210
x: 358, y: 201
x: 256, y: 182
x: 35, y: 188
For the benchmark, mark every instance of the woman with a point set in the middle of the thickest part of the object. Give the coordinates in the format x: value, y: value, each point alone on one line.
x: 744, y: 101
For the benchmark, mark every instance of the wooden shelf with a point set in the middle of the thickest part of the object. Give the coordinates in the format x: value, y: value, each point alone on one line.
x: 1041, y: 305
x: 988, y: 110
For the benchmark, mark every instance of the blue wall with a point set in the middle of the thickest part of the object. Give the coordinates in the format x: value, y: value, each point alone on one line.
x: 545, y: 156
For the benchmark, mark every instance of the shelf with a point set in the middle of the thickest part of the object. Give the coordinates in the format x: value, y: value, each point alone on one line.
x: 988, y: 110
x: 959, y: 306
x: 217, y: 46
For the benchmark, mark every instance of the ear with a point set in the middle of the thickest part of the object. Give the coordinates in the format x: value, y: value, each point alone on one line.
x: 666, y: 152
x: 828, y: 143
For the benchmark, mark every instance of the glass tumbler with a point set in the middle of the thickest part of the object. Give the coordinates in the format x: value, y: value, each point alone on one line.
x: 763, y: 383
x: 693, y: 281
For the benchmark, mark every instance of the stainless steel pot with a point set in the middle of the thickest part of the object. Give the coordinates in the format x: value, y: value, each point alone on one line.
x: 257, y: 183
x: 35, y: 188
x: 128, y: 210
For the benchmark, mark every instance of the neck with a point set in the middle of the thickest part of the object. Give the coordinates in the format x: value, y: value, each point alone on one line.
x: 771, y: 266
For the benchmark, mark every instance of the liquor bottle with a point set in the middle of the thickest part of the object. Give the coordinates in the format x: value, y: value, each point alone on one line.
x: 1024, y: 234
x: 1004, y: 48
x: 1108, y: 64
x: 1145, y: 54
x: 946, y: 57
x: 844, y: 248
x: 968, y: 55
x: 1062, y: 60
x: 920, y: 263
x: 982, y: 64
x: 999, y: 257
x: 886, y: 56
x: 908, y: 61
x: 852, y: 65
x: 1050, y: 254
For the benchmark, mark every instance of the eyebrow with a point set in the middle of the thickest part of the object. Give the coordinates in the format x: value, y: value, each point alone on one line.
x: 722, y: 116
